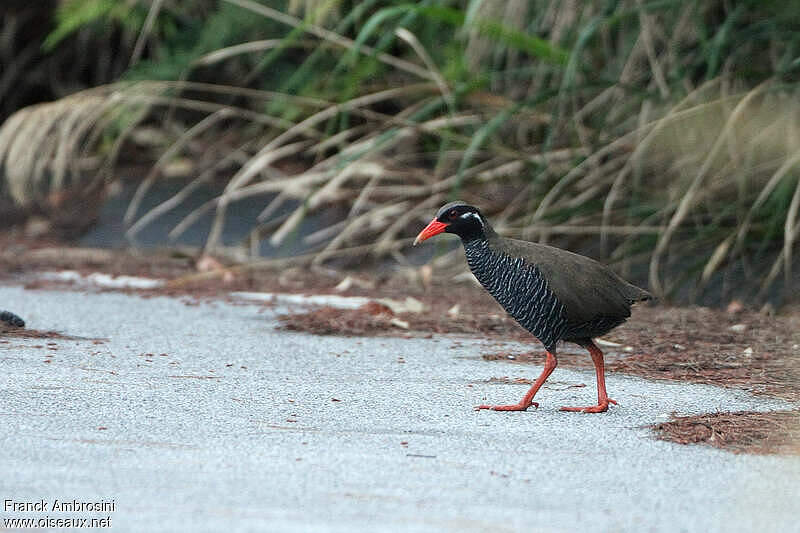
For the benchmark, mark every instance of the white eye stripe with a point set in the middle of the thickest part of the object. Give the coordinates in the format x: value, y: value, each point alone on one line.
x: 471, y: 214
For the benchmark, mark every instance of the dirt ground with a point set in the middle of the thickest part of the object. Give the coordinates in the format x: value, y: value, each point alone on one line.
x: 734, y: 347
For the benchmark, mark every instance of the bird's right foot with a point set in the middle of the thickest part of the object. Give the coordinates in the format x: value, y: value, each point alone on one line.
x: 515, y: 407
x: 601, y: 407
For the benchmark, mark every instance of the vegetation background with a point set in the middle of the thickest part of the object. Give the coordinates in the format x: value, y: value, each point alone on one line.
x: 662, y: 137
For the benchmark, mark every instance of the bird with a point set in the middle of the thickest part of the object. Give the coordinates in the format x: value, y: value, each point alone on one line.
x: 11, y: 319
x: 555, y: 294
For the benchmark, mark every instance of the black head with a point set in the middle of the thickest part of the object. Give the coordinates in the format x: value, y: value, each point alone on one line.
x: 459, y: 218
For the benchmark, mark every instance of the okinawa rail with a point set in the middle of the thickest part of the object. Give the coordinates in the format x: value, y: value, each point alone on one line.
x: 555, y: 294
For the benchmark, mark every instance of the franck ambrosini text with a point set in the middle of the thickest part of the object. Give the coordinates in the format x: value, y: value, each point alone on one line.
x: 54, y: 506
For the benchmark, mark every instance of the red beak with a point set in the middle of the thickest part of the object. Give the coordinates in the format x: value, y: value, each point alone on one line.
x: 434, y: 228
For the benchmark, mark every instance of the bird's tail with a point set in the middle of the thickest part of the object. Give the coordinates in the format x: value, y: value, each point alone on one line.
x: 635, y: 294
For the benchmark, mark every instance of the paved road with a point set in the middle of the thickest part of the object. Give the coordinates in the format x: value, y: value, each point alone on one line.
x: 235, y: 428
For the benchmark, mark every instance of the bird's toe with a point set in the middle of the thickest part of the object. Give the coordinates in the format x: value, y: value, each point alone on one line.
x: 515, y: 407
x: 599, y: 408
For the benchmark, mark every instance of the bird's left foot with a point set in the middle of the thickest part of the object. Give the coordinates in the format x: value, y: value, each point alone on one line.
x: 515, y: 407
x: 601, y: 407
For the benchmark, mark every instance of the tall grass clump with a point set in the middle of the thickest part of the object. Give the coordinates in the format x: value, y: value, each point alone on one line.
x: 661, y: 136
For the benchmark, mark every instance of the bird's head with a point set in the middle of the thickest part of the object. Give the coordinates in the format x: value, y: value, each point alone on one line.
x: 459, y: 218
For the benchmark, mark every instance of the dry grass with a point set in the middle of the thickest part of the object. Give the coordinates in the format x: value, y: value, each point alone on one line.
x: 686, y: 173
x: 573, y: 122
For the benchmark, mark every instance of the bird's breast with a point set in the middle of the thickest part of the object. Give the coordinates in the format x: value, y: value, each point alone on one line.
x: 520, y: 288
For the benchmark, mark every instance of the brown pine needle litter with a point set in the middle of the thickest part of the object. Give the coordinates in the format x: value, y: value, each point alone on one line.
x: 776, y: 432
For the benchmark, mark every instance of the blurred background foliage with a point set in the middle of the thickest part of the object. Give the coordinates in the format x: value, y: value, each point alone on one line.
x: 662, y: 137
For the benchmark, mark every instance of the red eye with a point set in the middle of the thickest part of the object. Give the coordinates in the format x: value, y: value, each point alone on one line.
x: 452, y: 214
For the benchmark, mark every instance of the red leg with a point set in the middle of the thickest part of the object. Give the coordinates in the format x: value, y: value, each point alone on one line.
x: 602, y: 396
x: 527, y: 401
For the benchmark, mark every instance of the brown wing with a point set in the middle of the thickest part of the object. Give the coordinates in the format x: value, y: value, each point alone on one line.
x: 588, y: 289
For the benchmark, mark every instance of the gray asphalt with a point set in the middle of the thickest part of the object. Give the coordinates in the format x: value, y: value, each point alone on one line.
x: 236, y: 429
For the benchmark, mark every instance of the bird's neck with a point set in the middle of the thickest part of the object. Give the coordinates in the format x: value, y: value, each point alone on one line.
x: 478, y: 247
x: 484, y: 233
x: 481, y: 258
